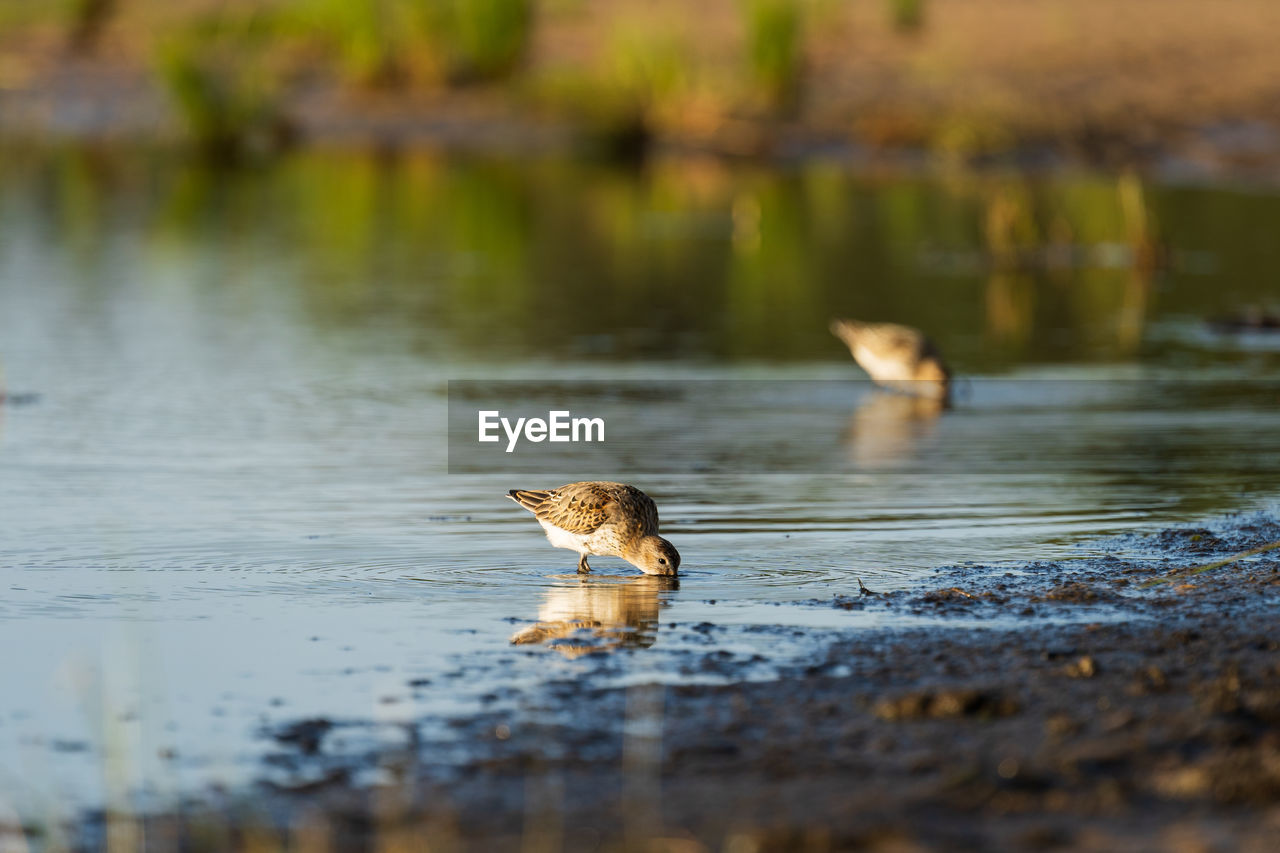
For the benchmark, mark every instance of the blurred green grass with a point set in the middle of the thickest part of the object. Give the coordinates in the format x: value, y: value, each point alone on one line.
x: 907, y: 15
x: 740, y: 77
x: 227, y: 94
x: 775, y: 50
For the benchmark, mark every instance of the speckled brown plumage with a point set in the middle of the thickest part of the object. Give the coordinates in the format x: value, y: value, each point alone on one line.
x: 594, y: 517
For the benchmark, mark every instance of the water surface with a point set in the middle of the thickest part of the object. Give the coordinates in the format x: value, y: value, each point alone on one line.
x: 228, y: 503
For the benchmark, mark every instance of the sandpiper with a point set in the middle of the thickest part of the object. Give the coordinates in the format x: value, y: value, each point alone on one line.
x: 608, y: 519
x: 897, y: 357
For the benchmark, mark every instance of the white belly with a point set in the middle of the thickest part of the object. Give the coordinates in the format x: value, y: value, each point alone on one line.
x: 880, y: 368
x: 565, y: 539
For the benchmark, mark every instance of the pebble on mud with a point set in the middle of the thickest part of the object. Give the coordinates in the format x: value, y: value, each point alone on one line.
x: 1084, y: 667
x: 1074, y: 592
x: 946, y: 703
x: 956, y: 595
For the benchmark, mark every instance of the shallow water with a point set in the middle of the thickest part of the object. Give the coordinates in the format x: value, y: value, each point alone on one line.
x: 224, y: 490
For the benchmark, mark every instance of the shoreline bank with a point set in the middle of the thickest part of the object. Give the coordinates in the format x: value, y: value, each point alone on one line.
x: 1152, y: 726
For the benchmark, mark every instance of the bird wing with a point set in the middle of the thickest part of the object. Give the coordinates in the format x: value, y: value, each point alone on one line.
x: 577, y: 507
x: 585, y: 507
x: 884, y: 339
x: 890, y: 339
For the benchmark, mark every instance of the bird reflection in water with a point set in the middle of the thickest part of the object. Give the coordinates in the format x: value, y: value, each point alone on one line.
x: 889, y: 428
x: 599, y: 614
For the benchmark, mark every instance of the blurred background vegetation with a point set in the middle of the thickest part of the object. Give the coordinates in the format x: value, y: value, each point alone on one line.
x: 468, y: 161
x: 1099, y: 81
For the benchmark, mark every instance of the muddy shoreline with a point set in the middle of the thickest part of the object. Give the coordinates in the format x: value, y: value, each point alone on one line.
x: 1096, y: 712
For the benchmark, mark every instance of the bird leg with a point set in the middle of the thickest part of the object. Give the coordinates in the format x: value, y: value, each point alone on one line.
x: 583, y: 568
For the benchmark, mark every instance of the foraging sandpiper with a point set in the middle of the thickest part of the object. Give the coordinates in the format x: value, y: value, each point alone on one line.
x: 608, y: 519
x: 897, y: 357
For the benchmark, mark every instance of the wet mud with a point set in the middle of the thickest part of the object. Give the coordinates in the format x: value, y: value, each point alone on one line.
x: 1070, y: 704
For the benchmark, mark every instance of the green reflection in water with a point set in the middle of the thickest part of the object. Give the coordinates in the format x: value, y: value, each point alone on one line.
x: 490, y: 260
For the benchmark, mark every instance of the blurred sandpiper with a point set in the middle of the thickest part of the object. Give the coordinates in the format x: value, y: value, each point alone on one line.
x: 897, y: 357
x: 606, y: 519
